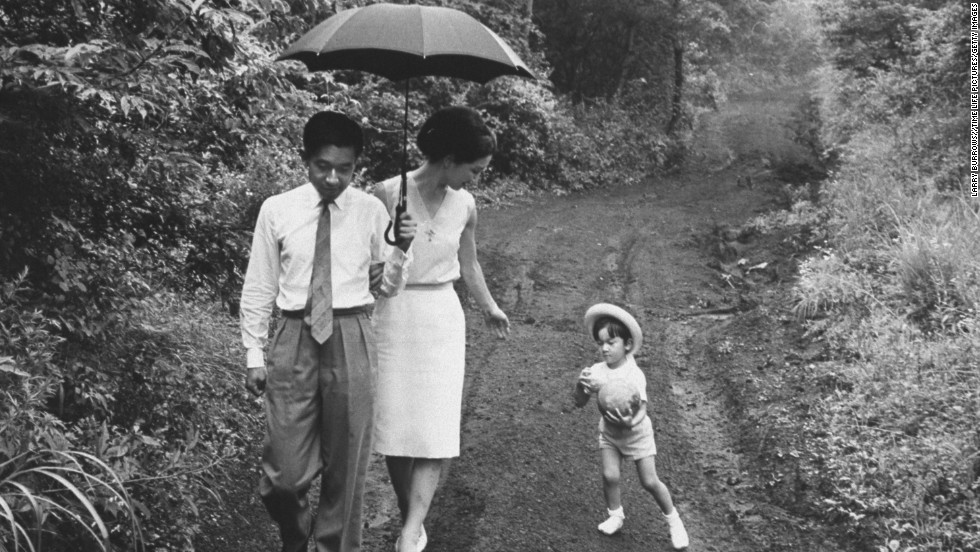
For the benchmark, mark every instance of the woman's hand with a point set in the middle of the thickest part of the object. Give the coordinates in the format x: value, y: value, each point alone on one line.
x: 406, y: 231
x: 497, y: 321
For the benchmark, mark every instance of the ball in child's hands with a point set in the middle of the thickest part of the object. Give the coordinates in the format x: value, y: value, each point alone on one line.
x: 619, y: 394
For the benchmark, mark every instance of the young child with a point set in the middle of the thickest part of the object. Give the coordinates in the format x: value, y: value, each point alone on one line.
x: 624, y: 434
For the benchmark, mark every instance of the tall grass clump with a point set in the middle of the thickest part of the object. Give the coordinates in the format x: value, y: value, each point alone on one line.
x: 116, y: 447
x: 53, y: 496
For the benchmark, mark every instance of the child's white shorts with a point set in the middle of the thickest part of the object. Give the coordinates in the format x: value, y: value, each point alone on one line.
x: 634, y: 442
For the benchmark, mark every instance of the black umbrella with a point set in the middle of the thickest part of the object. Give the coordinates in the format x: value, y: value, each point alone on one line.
x: 399, y: 41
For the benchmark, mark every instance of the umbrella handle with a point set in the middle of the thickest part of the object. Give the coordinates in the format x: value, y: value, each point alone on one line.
x: 403, y: 190
x: 395, y: 225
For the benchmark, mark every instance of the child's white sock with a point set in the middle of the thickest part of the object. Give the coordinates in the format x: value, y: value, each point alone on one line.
x: 678, y: 535
x: 614, y: 523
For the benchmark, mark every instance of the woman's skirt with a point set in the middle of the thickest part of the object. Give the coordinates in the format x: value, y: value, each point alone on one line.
x: 421, y: 336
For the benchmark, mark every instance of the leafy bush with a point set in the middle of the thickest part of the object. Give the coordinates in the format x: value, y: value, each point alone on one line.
x: 553, y: 145
x: 892, y: 448
x: 51, y: 496
x: 153, y: 417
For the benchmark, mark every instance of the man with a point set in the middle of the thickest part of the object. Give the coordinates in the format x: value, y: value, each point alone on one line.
x: 311, y: 256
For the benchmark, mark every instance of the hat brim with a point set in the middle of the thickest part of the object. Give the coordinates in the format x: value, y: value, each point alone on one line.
x: 600, y: 310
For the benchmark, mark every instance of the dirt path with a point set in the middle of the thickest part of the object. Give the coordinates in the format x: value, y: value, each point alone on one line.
x: 528, y: 477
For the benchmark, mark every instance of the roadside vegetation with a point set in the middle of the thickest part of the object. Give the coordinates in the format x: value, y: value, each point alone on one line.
x: 888, y: 445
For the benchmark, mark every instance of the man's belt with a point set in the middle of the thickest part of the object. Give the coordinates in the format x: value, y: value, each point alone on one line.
x: 337, y: 313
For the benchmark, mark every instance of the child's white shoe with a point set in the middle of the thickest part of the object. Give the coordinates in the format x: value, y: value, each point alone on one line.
x: 678, y: 535
x: 615, y: 522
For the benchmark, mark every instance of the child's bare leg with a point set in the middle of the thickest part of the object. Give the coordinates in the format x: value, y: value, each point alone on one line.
x: 646, y: 468
x: 610, y: 478
x: 611, y: 461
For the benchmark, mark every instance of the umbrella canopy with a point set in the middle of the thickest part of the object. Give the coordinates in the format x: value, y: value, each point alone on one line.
x: 400, y: 41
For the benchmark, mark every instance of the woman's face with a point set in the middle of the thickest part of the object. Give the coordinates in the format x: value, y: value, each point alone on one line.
x: 461, y: 174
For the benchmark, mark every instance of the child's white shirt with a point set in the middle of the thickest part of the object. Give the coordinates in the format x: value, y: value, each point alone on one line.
x: 628, y: 371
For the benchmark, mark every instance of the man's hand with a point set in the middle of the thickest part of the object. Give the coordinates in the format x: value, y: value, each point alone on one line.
x: 255, y: 380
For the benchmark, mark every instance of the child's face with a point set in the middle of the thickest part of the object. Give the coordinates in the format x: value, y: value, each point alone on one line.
x: 613, y: 349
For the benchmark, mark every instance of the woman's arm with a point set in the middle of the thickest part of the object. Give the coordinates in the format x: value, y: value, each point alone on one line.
x: 472, y: 274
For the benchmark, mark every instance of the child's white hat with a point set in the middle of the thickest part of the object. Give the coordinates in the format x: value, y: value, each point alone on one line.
x: 600, y: 310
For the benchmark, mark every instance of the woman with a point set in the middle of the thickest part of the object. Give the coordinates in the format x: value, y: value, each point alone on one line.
x: 421, y: 332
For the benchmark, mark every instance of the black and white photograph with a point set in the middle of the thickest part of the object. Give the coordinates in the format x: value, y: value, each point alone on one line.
x: 489, y: 276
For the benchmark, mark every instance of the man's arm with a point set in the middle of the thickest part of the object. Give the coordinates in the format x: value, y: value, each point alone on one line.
x: 259, y: 293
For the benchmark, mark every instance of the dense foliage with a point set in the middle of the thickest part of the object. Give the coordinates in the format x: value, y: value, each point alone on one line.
x: 138, y: 139
x: 664, y: 54
x: 891, y: 447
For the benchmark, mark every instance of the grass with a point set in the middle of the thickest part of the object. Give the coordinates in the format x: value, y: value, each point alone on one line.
x: 895, y: 453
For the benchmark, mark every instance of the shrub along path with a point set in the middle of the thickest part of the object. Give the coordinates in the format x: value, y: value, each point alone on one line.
x: 528, y: 478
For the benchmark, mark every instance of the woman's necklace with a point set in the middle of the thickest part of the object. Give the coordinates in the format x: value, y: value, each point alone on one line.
x: 428, y: 224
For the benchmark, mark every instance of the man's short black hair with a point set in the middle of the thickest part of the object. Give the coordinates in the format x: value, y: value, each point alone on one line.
x: 330, y: 128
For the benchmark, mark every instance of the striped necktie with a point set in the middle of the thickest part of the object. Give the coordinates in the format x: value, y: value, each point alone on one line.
x: 319, y: 307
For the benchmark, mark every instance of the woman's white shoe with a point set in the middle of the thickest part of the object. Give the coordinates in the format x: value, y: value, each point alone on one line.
x: 419, y: 544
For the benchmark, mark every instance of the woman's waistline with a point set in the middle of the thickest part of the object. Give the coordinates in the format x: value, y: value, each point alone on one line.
x: 428, y: 287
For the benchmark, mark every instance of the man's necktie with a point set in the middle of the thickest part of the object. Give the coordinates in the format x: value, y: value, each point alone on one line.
x: 319, y: 307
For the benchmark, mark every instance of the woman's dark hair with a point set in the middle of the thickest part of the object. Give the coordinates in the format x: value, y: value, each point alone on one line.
x: 458, y: 131
x: 613, y: 326
x: 329, y: 128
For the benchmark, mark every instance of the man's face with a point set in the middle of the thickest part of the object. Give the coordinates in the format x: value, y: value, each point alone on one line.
x: 330, y: 170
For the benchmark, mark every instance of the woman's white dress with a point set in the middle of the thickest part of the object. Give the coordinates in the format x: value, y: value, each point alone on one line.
x: 422, y: 336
